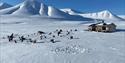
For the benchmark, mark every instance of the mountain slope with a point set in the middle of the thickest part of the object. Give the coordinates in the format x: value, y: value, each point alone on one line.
x: 4, y: 5
x: 106, y: 15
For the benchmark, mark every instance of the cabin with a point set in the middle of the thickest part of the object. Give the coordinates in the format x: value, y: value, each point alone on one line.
x: 102, y: 27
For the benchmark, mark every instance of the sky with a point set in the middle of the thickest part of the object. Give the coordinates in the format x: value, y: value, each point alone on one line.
x: 115, y: 6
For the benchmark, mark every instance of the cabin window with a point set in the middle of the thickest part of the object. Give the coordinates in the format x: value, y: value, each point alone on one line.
x: 94, y: 28
x: 103, y: 28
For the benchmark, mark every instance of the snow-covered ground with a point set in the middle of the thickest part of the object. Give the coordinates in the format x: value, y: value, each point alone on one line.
x: 86, y: 47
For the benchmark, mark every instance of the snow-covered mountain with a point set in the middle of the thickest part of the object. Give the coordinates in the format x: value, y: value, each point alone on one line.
x: 33, y: 7
x: 28, y: 7
x: 4, y: 5
x: 70, y: 11
x: 106, y: 15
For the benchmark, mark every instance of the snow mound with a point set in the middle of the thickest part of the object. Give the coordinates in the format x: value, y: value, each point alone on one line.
x: 106, y: 15
x: 4, y: 5
x: 28, y: 7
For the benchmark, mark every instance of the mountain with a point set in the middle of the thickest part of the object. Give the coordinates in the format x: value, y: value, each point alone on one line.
x: 28, y: 7
x: 106, y: 15
x: 33, y: 7
x: 4, y: 5
x: 70, y: 11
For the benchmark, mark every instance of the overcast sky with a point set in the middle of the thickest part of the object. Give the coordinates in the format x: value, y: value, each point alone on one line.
x: 115, y: 6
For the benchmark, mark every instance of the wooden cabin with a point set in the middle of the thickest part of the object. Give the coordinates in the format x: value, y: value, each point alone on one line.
x: 102, y: 27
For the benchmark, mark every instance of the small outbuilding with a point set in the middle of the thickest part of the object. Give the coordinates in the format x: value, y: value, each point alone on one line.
x: 102, y: 27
